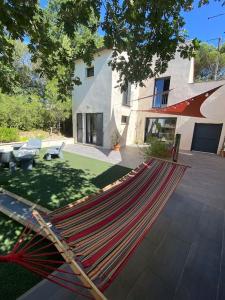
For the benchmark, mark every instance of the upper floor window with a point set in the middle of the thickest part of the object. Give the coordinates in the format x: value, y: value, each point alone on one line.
x: 124, y: 119
x: 90, y: 72
x: 126, y: 96
x: 161, y: 92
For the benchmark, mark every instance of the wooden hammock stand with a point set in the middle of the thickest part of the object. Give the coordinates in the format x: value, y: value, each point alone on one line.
x: 68, y: 255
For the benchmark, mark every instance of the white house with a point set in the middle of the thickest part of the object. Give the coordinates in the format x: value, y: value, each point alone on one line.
x: 101, y: 112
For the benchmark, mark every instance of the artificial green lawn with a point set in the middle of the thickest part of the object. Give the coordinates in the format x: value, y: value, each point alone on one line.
x: 50, y: 184
x: 14, y: 280
x: 58, y: 182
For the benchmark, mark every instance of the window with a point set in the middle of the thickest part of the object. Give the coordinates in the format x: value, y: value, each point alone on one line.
x: 124, y: 119
x: 126, y: 96
x: 161, y: 92
x: 90, y: 72
x: 161, y: 128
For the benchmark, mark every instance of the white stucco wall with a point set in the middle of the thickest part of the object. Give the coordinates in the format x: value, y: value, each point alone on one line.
x: 181, y: 73
x: 94, y: 95
x: 213, y: 109
x: 183, y: 87
x: 126, y: 131
x: 99, y: 94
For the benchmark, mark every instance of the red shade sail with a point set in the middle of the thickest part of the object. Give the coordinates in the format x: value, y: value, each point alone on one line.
x: 190, y: 107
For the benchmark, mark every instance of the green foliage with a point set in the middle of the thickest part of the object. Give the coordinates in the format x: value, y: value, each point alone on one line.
x: 23, y: 139
x: 34, y: 133
x: 115, y: 138
x: 20, y: 76
x: 56, y: 110
x: 156, y: 148
x: 27, y: 112
x: 20, y: 279
x: 8, y: 135
x: 146, y: 30
x: 62, y: 39
x: 20, y: 112
x: 142, y: 29
x: 27, y: 78
x: 17, y: 19
x: 67, y: 30
x: 206, y: 60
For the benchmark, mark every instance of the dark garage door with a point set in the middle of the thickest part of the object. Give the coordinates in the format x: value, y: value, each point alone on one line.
x: 206, y: 137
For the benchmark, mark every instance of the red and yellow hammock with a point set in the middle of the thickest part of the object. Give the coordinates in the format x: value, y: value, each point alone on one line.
x: 96, y: 235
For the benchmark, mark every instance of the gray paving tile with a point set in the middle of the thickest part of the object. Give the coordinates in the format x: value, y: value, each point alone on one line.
x: 201, y: 272
x: 117, y: 291
x: 150, y: 286
x: 169, y: 258
x: 221, y: 285
x: 159, y: 230
x: 211, y: 196
x: 132, y: 271
x: 181, y: 202
x: 139, y: 260
x: 184, y: 226
x: 211, y: 224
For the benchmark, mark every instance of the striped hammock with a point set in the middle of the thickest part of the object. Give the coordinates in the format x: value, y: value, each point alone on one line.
x: 104, y: 230
x: 96, y: 235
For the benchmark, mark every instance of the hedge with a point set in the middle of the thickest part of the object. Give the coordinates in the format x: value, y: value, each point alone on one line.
x: 8, y: 135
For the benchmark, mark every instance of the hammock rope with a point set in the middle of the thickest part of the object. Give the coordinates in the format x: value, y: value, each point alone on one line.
x: 96, y: 236
x: 32, y: 260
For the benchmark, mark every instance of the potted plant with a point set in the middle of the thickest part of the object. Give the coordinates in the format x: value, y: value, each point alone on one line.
x: 116, y: 141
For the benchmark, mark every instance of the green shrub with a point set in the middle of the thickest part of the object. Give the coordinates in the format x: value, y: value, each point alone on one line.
x: 8, y: 135
x: 23, y: 138
x: 157, y: 148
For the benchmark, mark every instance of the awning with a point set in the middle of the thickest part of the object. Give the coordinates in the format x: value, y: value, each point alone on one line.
x: 190, y: 107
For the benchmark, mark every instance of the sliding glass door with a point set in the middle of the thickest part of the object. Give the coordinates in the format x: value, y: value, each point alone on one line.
x: 94, y: 129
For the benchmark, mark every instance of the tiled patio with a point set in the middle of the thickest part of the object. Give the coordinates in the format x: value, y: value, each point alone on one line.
x: 183, y: 256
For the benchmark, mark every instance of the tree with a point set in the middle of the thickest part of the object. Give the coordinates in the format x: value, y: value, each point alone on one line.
x: 222, y: 50
x: 21, y: 112
x: 55, y: 110
x: 145, y: 29
x: 27, y: 112
x: 56, y: 50
x: 207, y: 59
x: 20, y: 76
x: 17, y: 19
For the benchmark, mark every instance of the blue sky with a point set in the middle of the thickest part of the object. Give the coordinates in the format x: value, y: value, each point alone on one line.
x: 197, y: 23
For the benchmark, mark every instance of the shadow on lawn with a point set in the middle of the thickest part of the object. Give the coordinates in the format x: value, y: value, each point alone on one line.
x: 10, y: 231
x: 15, y: 280
x: 56, y: 183
x: 109, y: 176
x: 50, y: 184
